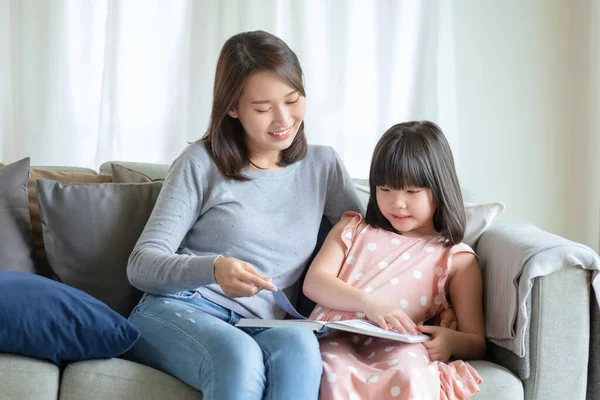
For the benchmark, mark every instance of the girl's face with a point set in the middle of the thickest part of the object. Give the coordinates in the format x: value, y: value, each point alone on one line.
x: 270, y: 111
x: 410, y: 210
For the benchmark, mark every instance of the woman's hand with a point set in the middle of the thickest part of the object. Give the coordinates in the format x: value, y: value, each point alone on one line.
x: 238, y: 279
x: 439, y: 348
x: 384, y: 314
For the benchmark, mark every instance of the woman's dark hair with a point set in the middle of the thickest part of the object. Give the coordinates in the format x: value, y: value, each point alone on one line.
x: 242, y: 56
x: 417, y: 154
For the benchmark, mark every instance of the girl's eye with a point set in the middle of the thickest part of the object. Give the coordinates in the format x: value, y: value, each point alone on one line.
x: 384, y: 189
x: 293, y: 102
x: 413, y: 191
x: 263, y: 111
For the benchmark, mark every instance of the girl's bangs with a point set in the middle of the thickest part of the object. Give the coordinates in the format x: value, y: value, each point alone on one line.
x: 400, y: 168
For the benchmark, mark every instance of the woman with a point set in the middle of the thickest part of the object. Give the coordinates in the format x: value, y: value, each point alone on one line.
x: 237, y: 219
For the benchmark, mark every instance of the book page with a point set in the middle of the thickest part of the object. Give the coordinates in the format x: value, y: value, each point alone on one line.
x: 272, y: 323
x: 366, y: 328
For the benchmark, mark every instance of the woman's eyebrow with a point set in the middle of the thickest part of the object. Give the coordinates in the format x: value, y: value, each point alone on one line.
x: 268, y: 101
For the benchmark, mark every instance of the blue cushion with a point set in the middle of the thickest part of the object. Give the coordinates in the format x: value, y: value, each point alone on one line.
x: 45, y: 319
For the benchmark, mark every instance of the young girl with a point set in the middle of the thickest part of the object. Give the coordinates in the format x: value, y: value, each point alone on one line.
x: 395, y: 268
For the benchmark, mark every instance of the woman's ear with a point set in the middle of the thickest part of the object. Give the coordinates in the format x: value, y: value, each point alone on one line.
x: 232, y: 113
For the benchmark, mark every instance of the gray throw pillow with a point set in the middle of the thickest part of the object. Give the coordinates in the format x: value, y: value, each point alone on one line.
x: 90, y: 231
x: 121, y: 174
x: 16, y: 241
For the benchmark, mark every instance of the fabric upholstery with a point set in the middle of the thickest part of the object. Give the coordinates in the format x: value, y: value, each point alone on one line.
x: 121, y: 174
x: 42, y: 265
x: 28, y: 378
x: 120, y: 379
x: 498, y: 382
x: 16, y: 246
x: 90, y: 231
x: 152, y: 171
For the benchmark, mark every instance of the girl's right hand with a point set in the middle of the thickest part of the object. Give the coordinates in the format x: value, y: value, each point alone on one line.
x: 238, y: 279
x: 384, y: 314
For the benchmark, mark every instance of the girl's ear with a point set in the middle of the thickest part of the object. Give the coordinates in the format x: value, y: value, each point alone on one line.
x: 232, y: 113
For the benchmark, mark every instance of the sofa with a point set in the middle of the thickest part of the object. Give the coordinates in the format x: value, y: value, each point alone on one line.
x: 559, y: 302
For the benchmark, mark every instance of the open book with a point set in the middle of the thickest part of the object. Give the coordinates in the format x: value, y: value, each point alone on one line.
x: 359, y: 326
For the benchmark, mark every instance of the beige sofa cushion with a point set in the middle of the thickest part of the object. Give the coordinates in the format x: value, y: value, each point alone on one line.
x: 498, y: 382
x: 120, y: 379
x: 27, y: 378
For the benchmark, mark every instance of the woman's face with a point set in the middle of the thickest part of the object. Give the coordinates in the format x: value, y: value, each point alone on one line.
x: 270, y: 111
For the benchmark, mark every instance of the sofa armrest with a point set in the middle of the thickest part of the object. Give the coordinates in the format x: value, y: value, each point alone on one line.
x: 558, y: 310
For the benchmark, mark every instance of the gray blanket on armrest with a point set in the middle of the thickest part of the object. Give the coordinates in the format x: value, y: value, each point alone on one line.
x: 511, y: 256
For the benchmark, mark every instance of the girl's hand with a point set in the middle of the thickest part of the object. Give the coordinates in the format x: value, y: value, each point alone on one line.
x: 385, y: 314
x: 439, y: 348
x: 238, y: 279
x: 446, y: 319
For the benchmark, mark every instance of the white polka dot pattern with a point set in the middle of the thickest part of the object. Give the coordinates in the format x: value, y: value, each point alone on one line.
x: 406, y: 272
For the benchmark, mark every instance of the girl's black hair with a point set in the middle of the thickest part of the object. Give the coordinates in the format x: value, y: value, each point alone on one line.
x: 417, y: 154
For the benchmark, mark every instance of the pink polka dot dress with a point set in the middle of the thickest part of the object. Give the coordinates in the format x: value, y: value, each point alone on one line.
x: 410, y: 272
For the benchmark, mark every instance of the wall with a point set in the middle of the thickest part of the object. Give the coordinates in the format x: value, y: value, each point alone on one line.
x: 526, y: 111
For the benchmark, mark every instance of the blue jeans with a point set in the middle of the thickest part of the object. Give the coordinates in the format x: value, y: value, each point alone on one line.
x: 194, y: 340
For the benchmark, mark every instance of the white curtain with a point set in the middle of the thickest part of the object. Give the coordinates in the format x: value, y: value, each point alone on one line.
x: 83, y: 82
x: 592, y: 211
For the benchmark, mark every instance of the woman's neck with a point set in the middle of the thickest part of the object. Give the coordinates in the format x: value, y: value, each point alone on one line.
x: 265, y: 161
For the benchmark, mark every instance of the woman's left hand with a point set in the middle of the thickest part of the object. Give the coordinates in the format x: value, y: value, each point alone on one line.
x: 439, y: 348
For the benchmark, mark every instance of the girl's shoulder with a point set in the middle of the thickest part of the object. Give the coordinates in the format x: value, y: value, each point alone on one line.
x: 463, y: 256
x: 349, y: 226
x: 350, y: 220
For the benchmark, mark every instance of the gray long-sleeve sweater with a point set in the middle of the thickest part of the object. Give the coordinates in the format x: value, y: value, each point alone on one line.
x: 271, y: 222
